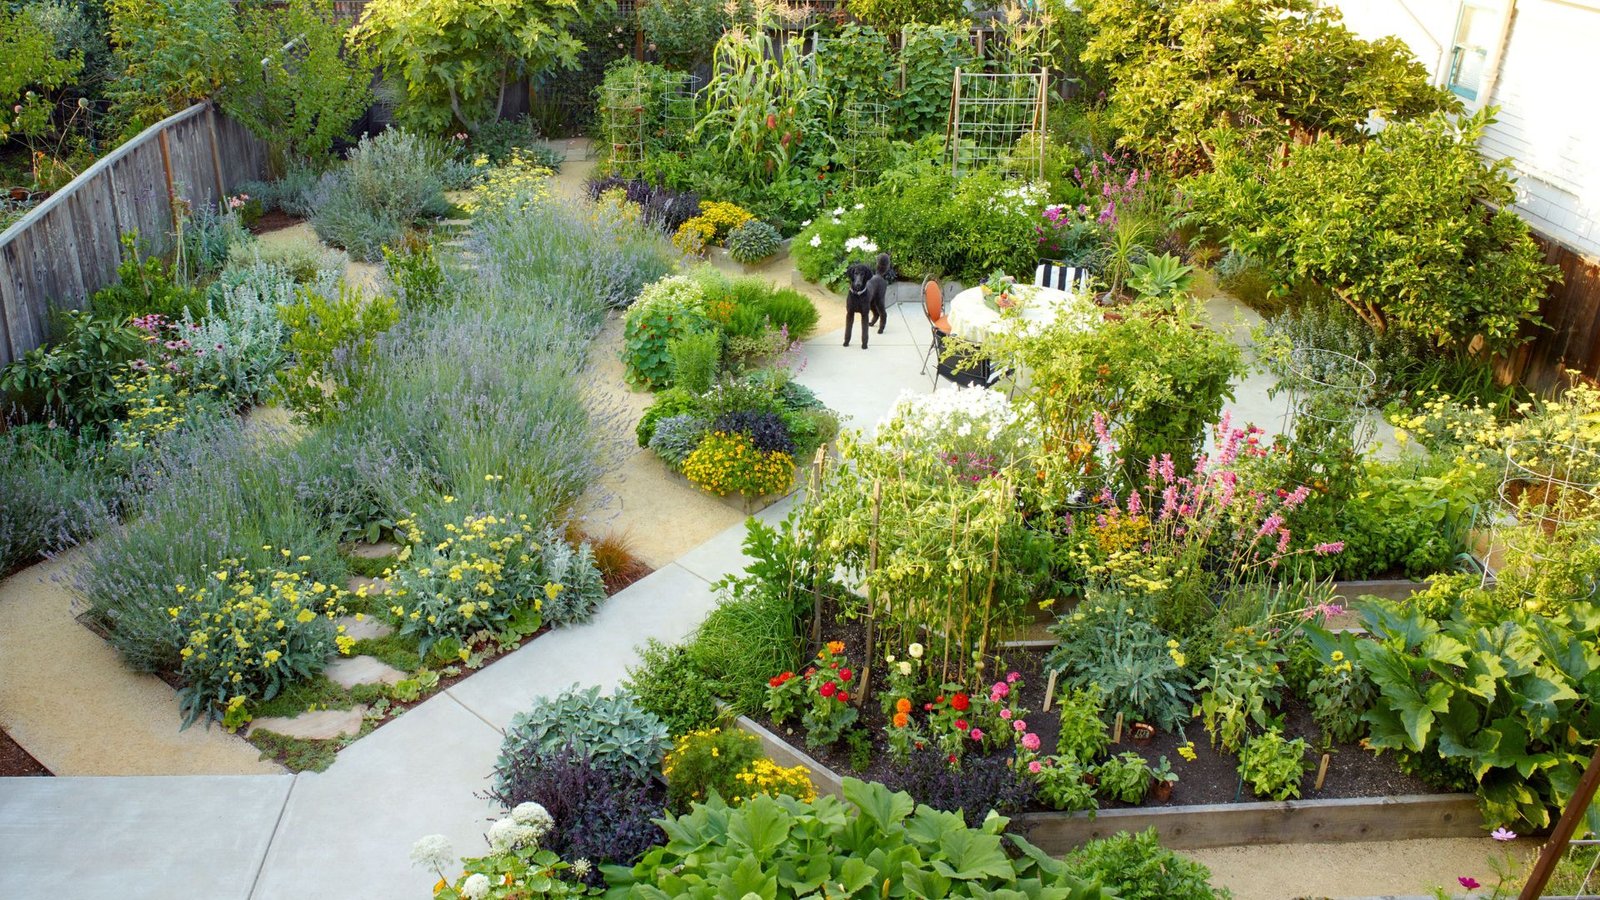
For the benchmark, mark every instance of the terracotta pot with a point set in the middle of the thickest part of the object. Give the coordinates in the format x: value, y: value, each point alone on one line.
x: 1142, y: 733
x: 1161, y: 791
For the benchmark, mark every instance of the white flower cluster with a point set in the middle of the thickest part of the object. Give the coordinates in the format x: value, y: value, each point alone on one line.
x: 968, y: 418
x: 860, y: 242
x: 433, y: 852
x: 476, y: 887
x: 816, y: 240
x: 1024, y: 199
x: 525, y: 827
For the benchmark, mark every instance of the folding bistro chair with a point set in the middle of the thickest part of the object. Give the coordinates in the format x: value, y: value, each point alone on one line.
x: 933, y: 309
x: 1056, y: 274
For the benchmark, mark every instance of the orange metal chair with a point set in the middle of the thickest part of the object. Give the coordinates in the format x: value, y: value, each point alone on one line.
x: 933, y: 309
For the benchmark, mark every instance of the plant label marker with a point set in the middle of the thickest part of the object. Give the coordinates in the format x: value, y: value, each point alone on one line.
x: 1322, y: 771
x: 1116, y: 730
x: 1050, y: 690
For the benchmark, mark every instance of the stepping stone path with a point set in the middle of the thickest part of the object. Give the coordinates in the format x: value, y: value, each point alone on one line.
x: 364, y: 628
x: 347, y: 673
x: 374, y: 586
x: 324, y: 724
x: 379, y: 550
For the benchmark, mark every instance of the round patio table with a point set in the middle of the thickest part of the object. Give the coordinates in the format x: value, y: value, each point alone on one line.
x: 971, y: 319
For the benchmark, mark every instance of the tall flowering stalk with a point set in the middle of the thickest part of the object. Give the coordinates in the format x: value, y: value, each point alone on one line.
x: 1213, y: 524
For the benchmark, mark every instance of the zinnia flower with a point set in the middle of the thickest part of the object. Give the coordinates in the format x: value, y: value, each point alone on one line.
x: 915, y: 650
x: 1030, y: 741
x: 961, y: 724
x: 902, y: 705
x: 1034, y: 767
x: 900, y: 719
x: 1005, y: 713
x: 844, y: 674
x: 960, y: 703
x: 977, y: 734
x: 828, y: 689
x: 1020, y: 725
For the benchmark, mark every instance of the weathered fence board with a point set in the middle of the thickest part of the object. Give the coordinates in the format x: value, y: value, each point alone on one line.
x: 1572, y: 311
x: 69, y: 246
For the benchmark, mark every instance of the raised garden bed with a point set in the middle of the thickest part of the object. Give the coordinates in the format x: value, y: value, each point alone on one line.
x: 1192, y: 827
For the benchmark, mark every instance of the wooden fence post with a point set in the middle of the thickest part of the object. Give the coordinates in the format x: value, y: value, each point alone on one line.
x: 216, y: 154
x: 166, y: 175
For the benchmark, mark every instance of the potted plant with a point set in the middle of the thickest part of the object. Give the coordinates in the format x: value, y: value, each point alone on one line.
x: 1142, y: 733
x: 1162, y: 779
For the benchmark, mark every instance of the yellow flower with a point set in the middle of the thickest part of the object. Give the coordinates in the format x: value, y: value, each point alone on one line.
x: 305, y: 616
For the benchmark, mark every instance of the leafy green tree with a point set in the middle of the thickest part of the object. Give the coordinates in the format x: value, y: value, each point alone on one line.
x: 173, y: 53
x: 28, y: 68
x: 460, y: 59
x: 683, y: 32
x: 891, y: 15
x: 1413, y: 229
x: 1284, y: 69
x: 294, y: 87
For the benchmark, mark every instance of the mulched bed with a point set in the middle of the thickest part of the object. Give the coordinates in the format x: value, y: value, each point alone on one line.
x: 1211, y: 778
x: 276, y: 220
x: 15, y: 761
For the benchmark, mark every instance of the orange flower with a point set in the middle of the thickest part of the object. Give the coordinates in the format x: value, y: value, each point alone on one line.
x: 900, y: 719
x: 902, y: 705
x: 836, y: 647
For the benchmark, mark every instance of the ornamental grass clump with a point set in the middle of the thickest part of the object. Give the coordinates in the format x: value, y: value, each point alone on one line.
x: 247, y: 633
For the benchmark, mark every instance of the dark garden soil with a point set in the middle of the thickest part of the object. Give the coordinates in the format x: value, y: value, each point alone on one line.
x: 276, y: 220
x: 1212, y: 777
x: 15, y: 761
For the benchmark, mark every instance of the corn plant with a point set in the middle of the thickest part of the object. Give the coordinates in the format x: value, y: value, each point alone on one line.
x: 762, y: 104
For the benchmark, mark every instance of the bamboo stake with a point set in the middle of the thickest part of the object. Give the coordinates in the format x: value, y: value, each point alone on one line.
x: 819, y: 461
x: 1050, y: 689
x: 949, y: 599
x: 1322, y: 771
x: 872, y: 594
x: 1116, y: 730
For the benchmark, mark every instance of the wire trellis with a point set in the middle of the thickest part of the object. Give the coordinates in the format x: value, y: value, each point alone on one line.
x: 865, y: 137
x: 1329, y: 391
x: 1549, y: 508
x: 624, y: 106
x: 997, y: 119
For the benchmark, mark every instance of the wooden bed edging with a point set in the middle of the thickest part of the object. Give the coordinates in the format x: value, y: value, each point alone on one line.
x: 1212, y: 825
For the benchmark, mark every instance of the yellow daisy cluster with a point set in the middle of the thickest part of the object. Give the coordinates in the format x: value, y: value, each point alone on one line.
x: 767, y: 777
x: 727, y: 463
x: 156, y: 407
x: 517, y: 183
x: 614, y: 208
x: 475, y: 576
x: 247, y: 632
x: 712, y: 226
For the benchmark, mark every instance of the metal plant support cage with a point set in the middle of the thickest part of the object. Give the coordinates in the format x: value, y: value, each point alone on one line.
x: 1547, y: 488
x: 865, y: 136
x: 997, y: 118
x: 679, y: 110
x: 624, y: 107
x: 1329, y: 390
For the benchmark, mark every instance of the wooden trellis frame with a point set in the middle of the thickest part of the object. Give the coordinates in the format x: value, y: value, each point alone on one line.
x: 990, y: 115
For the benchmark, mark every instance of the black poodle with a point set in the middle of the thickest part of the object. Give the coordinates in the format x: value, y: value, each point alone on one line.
x: 866, y: 298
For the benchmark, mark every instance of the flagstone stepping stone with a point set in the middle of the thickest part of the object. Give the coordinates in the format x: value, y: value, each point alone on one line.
x: 347, y: 673
x: 320, y: 725
x: 379, y: 550
x: 374, y: 586
x: 365, y: 628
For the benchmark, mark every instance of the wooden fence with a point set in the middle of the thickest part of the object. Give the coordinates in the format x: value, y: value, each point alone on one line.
x: 69, y: 246
x: 1571, y: 312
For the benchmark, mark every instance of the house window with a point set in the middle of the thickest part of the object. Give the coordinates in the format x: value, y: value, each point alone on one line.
x: 1469, y: 53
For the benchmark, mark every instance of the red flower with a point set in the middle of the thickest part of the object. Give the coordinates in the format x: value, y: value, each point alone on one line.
x: 952, y: 759
x: 828, y: 689
x: 960, y: 703
x: 961, y: 724
x: 844, y: 674
x: 927, y: 707
x: 939, y: 699
x: 844, y: 697
x: 811, y: 671
x: 777, y: 680
x: 772, y: 121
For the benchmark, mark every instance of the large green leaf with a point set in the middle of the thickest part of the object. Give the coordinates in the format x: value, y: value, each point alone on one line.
x: 885, y: 808
x: 760, y: 826
x: 971, y: 856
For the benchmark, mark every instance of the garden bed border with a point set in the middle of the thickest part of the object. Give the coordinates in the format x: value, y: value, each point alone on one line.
x: 1405, y: 817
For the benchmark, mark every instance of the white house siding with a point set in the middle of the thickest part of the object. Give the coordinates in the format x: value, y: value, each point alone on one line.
x: 1548, y: 92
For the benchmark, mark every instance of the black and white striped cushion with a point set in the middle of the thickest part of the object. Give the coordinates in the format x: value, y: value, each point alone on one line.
x: 1055, y: 275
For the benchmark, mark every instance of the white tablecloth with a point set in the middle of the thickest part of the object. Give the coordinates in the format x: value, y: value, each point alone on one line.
x: 973, y: 320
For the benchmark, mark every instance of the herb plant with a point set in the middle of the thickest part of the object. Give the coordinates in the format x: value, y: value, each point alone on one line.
x: 1273, y: 765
